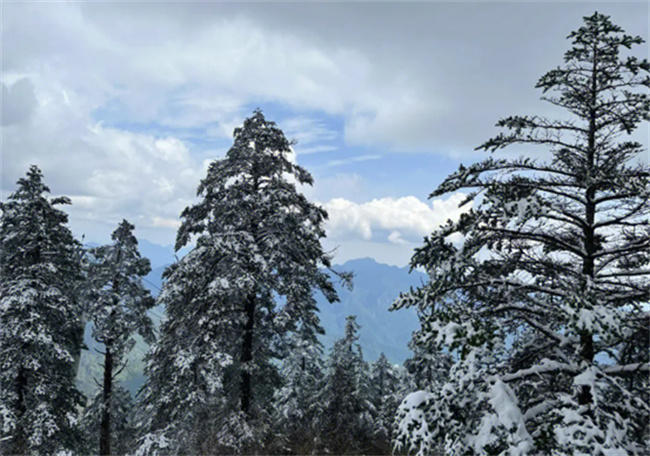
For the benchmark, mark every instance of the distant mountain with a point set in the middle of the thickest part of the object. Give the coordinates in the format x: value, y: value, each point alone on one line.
x: 376, y: 286
x: 159, y: 255
x: 153, y: 281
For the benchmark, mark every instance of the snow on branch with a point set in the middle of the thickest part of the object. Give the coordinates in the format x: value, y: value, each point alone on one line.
x: 628, y: 369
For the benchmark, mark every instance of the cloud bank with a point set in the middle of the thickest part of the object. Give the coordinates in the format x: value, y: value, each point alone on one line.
x: 399, y: 220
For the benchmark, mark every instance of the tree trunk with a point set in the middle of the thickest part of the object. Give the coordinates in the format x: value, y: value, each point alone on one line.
x: 586, y: 338
x: 79, y: 345
x: 105, y: 426
x: 247, y: 355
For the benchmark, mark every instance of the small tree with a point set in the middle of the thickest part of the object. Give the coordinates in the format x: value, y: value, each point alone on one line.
x: 428, y: 368
x: 122, y: 428
x: 545, y: 293
x: 118, y: 308
x: 385, y: 397
x: 295, y: 405
x: 345, y: 415
x: 257, y: 240
x: 40, y: 325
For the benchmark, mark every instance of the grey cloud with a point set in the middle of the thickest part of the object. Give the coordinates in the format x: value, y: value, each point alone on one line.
x: 18, y: 102
x: 469, y: 63
x: 429, y: 76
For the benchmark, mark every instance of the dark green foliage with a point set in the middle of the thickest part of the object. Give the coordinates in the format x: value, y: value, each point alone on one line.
x: 386, y: 394
x: 123, y: 431
x: 346, y: 411
x: 118, y: 301
x: 428, y: 369
x: 40, y: 326
x: 296, y: 403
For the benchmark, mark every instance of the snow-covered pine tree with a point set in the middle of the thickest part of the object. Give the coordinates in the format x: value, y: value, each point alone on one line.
x: 212, y: 374
x: 385, y: 396
x: 117, y: 305
x: 542, y: 299
x: 123, y: 432
x: 40, y: 323
x: 424, y: 373
x: 295, y: 405
x: 345, y: 414
x: 428, y: 368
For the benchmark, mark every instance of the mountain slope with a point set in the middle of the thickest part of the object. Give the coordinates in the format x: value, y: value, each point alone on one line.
x: 376, y: 286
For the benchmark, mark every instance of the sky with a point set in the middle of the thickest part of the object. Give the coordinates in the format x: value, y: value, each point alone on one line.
x: 124, y: 105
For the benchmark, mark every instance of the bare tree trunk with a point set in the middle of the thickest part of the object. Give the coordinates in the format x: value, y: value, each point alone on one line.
x: 247, y: 355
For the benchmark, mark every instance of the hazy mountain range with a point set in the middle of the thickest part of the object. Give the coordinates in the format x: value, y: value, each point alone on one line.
x: 375, y: 287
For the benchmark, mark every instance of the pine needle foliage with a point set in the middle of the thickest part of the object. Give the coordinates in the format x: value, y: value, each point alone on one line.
x: 542, y: 299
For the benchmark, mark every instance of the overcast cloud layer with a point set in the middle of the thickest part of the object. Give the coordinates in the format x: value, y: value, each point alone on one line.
x: 123, y: 105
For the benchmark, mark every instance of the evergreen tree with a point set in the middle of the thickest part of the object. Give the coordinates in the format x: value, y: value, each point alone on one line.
x: 302, y: 373
x: 385, y: 396
x: 118, y: 309
x: 345, y: 417
x: 428, y: 368
x: 257, y: 240
x: 123, y: 431
x: 40, y: 326
x: 544, y: 295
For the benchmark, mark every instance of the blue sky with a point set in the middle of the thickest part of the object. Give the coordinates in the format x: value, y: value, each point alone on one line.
x: 123, y: 105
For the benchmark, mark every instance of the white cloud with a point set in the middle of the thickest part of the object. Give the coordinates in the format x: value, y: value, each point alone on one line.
x: 396, y: 238
x: 357, y: 159
x: 403, y: 120
x: 109, y: 173
x: 312, y: 135
x: 406, y: 219
x: 169, y: 223
x: 153, y: 67
x: 407, y: 76
x: 339, y: 185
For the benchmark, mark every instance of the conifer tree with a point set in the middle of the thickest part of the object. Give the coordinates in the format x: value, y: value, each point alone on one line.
x: 40, y: 323
x: 345, y: 418
x: 385, y: 396
x: 302, y: 373
x: 123, y: 431
x: 257, y: 239
x: 118, y: 309
x: 428, y: 368
x: 543, y: 296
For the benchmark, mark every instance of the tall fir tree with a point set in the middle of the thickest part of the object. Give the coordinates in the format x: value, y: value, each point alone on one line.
x: 345, y: 415
x: 118, y: 305
x: 545, y: 294
x: 257, y: 240
x: 40, y: 323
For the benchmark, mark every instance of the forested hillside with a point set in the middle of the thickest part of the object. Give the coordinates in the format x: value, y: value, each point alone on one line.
x: 376, y: 286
